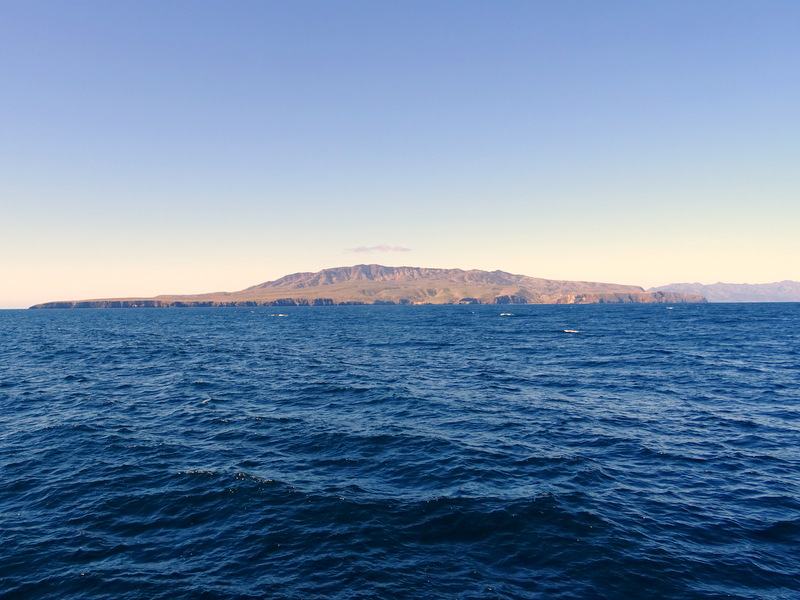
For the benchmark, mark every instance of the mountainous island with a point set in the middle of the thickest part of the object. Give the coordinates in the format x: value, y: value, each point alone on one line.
x: 780, y: 291
x: 376, y: 284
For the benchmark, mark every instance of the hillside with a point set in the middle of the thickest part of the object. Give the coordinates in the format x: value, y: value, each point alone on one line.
x: 376, y: 284
x: 781, y: 291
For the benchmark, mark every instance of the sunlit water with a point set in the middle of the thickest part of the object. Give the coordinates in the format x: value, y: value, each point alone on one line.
x: 401, y: 452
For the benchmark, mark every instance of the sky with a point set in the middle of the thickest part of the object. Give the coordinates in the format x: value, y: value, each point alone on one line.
x: 188, y: 146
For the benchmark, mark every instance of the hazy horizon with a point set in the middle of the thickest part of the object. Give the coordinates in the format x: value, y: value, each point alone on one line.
x: 346, y: 266
x: 190, y: 147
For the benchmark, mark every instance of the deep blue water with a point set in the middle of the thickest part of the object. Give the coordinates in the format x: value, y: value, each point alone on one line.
x: 401, y: 452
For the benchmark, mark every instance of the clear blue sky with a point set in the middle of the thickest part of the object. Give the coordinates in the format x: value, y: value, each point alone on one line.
x: 193, y: 146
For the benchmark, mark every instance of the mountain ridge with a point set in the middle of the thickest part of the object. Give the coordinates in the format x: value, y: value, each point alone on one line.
x: 779, y: 291
x: 378, y: 284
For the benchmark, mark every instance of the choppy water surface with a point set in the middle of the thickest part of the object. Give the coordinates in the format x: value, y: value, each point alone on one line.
x: 401, y: 452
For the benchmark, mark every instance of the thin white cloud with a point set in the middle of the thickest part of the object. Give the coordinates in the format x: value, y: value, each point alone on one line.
x: 381, y: 248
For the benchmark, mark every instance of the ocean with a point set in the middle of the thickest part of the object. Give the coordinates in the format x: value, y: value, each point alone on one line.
x: 401, y: 452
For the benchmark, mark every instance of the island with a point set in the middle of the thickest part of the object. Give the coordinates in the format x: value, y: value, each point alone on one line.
x: 780, y: 291
x: 377, y: 284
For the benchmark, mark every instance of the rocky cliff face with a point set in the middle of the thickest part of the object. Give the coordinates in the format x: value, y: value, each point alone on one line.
x: 630, y: 297
x: 377, y: 284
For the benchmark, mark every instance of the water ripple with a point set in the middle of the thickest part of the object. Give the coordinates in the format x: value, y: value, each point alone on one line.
x: 401, y: 452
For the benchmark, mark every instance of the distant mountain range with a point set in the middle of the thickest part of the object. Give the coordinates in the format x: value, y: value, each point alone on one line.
x: 781, y: 291
x: 376, y: 284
